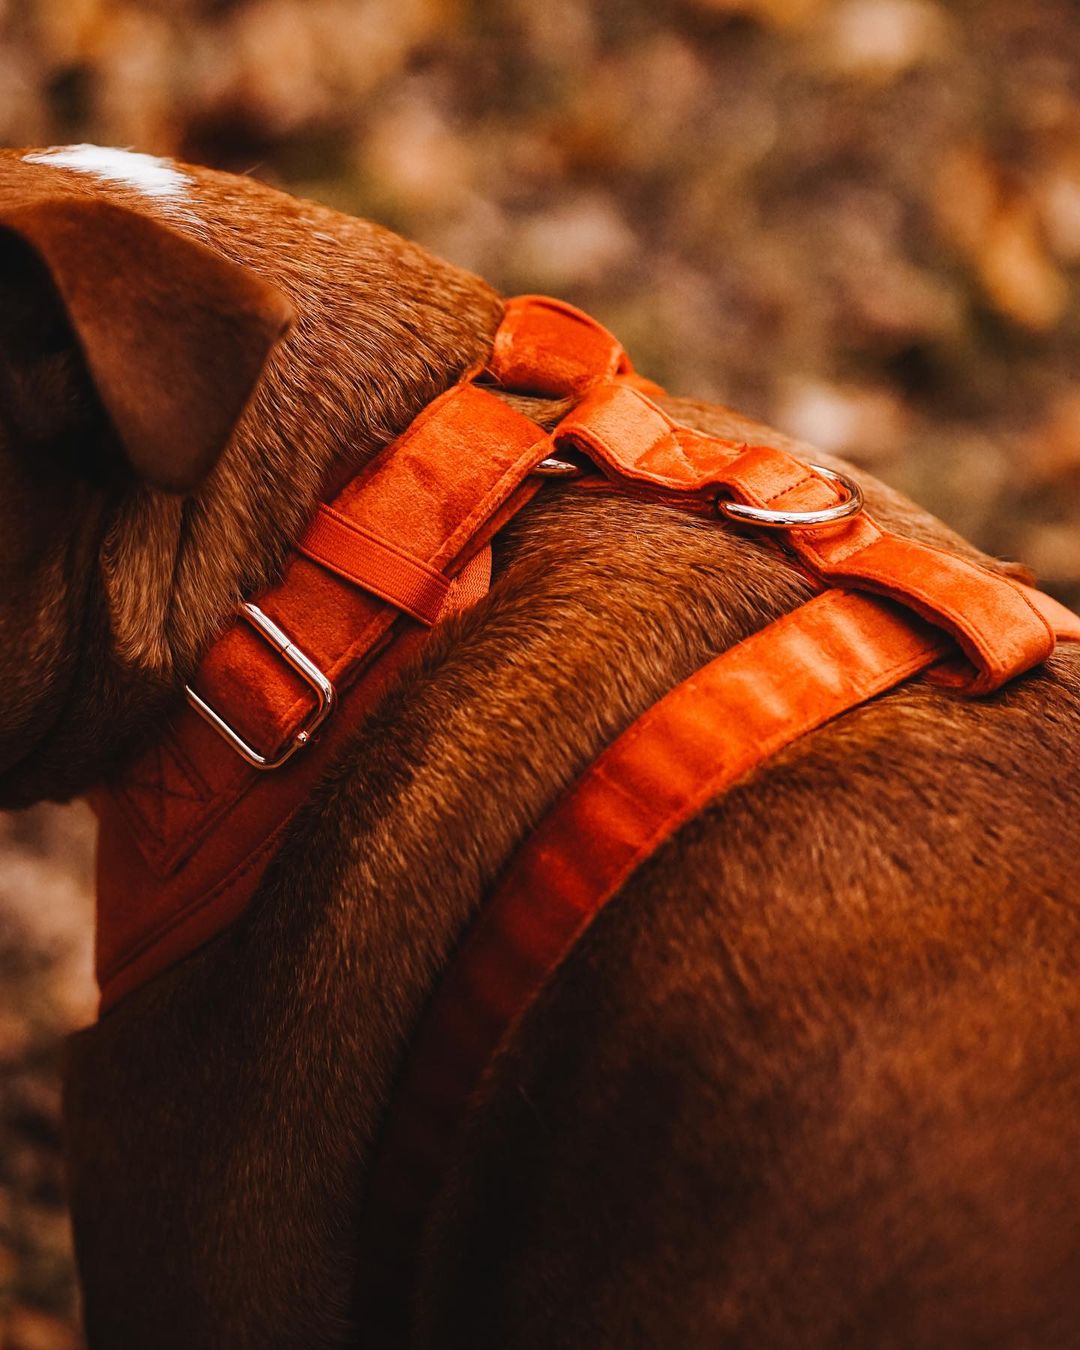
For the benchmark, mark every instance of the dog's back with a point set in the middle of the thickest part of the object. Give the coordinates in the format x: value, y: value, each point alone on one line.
x: 811, y: 1080
x: 815, y: 1079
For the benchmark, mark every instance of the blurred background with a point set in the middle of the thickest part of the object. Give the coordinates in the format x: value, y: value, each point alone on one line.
x: 856, y: 219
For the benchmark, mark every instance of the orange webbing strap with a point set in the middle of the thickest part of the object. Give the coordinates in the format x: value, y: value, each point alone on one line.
x: 635, y: 443
x: 711, y: 732
x: 186, y: 833
x: 432, y: 493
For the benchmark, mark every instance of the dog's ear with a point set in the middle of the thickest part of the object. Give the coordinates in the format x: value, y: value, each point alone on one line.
x: 173, y: 336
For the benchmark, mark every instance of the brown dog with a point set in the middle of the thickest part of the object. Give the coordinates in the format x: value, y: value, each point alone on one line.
x: 813, y: 1079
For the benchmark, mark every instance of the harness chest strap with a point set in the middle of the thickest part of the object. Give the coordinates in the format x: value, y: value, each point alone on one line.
x: 188, y: 831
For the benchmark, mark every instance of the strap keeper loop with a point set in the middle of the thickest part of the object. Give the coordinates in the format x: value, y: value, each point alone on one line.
x: 765, y: 519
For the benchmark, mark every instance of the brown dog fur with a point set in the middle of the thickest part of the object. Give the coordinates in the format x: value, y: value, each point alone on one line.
x: 813, y: 1078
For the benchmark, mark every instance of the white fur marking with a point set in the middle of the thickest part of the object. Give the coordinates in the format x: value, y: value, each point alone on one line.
x: 149, y: 175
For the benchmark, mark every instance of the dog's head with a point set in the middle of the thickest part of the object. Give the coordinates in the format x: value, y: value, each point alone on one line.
x: 186, y: 358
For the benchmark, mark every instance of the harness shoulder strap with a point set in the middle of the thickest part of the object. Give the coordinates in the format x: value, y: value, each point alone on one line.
x: 711, y: 732
x: 186, y: 834
x: 905, y: 608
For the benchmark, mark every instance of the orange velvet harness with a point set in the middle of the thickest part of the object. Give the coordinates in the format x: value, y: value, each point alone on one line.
x: 189, y: 830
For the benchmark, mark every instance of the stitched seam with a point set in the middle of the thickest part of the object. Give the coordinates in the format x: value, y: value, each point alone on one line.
x: 138, y: 785
x: 386, y: 545
x: 964, y: 622
x: 578, y: 429
x: 187, y: 766
x: 818, y: 559
x: 148, y: 939
x: 674, y: 438
x: 671, y: 433
x: 151, y: 837
x: 808, y: 476
x: 152, y: 832
x: 1041, y: 617
x: 731, y: 450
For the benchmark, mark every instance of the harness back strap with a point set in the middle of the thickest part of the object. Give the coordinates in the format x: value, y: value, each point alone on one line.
x: 991, y: 618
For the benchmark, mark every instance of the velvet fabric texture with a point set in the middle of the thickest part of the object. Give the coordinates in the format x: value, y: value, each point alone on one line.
x: 188, y: 831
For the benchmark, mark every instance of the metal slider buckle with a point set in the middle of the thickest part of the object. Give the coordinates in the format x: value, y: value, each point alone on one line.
x: 304, y: 667
x: 851, y: 505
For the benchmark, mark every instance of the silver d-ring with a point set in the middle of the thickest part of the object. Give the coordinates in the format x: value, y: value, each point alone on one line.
x: 798, y: 520
x: 554, y: 467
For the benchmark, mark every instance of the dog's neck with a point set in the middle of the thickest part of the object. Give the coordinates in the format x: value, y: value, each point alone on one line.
x: 383, y: 328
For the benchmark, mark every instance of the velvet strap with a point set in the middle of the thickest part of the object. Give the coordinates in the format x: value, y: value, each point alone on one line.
x: 991, y: 618
x: 187, y: 831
